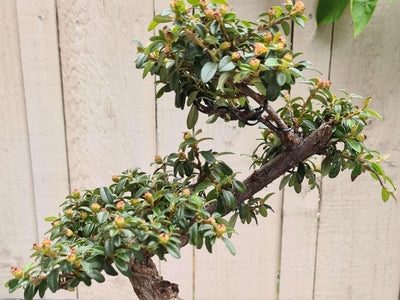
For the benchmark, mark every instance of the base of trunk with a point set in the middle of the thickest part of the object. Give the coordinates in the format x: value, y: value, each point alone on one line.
x: 148, y: 284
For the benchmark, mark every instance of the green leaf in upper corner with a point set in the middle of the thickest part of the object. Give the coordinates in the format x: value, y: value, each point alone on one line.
x: 192, y: 117
x: 329, y: 11
x: 208, y: 71
x: 361, y: 13
x: 53, y: 279
x: 229, y: 245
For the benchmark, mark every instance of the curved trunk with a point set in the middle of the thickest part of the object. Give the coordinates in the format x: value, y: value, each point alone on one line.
x: 148, y: 284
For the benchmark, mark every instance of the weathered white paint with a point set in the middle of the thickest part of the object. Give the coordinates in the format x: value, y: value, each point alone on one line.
x: 111, y: 125
x: 109, y: 108
x: 358, y: 253
x: 18, y: 213
x: 300, y: 212
x: 42, y: 85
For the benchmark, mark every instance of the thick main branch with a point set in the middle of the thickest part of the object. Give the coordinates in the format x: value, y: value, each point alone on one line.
x: 315, y: 143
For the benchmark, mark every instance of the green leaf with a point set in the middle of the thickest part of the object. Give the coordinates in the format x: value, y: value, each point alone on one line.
x: 121, y: 265
x: 239, y: 186
x: 361, y: 13
x: 29, y: 292
x: 229, y: 199
x: 354, y: 145
x: 385, y: 194
x: 374, y: 113
x: 108, y: 248
x: 106, y: 195
x: 120, y: 186
x: 284, y: 182
x: 50, y: 219
x: 223, y: 2
x: 109, y: 269
x: 152, y: 25
x: 162, y: 19
x: 173, y: 250
x: 96, y: 275
x: 192, y: 117
x: 225, y: 64
x: 225, y: 168
x: 202, y: 187
x: 263, y: 211
x: 285, y: 27
x: 208, y: 156
x: 222, y: 80
x: 208, y: 71
x: 193, y: 233
x: 271, y: 62
x: 53, y: 279
x: 102, y: 217
x: 229, y: 245
x: 329, y: 11
x: 191, y: 98
x: 193, y: 2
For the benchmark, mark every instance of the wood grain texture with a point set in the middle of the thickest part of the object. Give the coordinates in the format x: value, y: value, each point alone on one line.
x: 300, y: 212
x: 109, y: 109
x: 18, y: 220
x: 252, y: 273
x: 42, y: 84
x: 359, y: 246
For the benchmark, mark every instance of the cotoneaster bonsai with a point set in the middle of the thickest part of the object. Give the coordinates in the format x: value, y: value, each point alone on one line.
x: 226, y: 67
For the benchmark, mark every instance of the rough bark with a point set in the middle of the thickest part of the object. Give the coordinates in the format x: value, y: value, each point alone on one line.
x: 148, y: 284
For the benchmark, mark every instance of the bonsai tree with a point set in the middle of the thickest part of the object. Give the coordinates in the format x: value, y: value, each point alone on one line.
x: 225, y: 67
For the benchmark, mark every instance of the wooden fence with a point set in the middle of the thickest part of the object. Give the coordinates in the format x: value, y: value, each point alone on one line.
x: 74, y: 111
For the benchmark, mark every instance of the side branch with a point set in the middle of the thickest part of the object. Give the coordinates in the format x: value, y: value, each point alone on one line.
x: 315, y: 143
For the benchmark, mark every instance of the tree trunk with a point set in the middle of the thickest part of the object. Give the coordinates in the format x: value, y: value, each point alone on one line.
x: 148, y: 284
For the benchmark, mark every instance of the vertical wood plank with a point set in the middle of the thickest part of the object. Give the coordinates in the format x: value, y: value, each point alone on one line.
x: 359, y: 246
x: 109, y: 108
x: 252, y: 273
x: 300, y: 212
x: 44, y: 108
x: 42, y: 83
x: 18, y: 220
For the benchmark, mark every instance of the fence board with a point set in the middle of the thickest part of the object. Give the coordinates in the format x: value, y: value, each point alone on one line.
x: 18, y: 220
x: 252, y: 273
x: 43, y: 96
x: 359, y: 246
x: 42, y: 83
x: 300, y: 212
x: 109, y: 115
